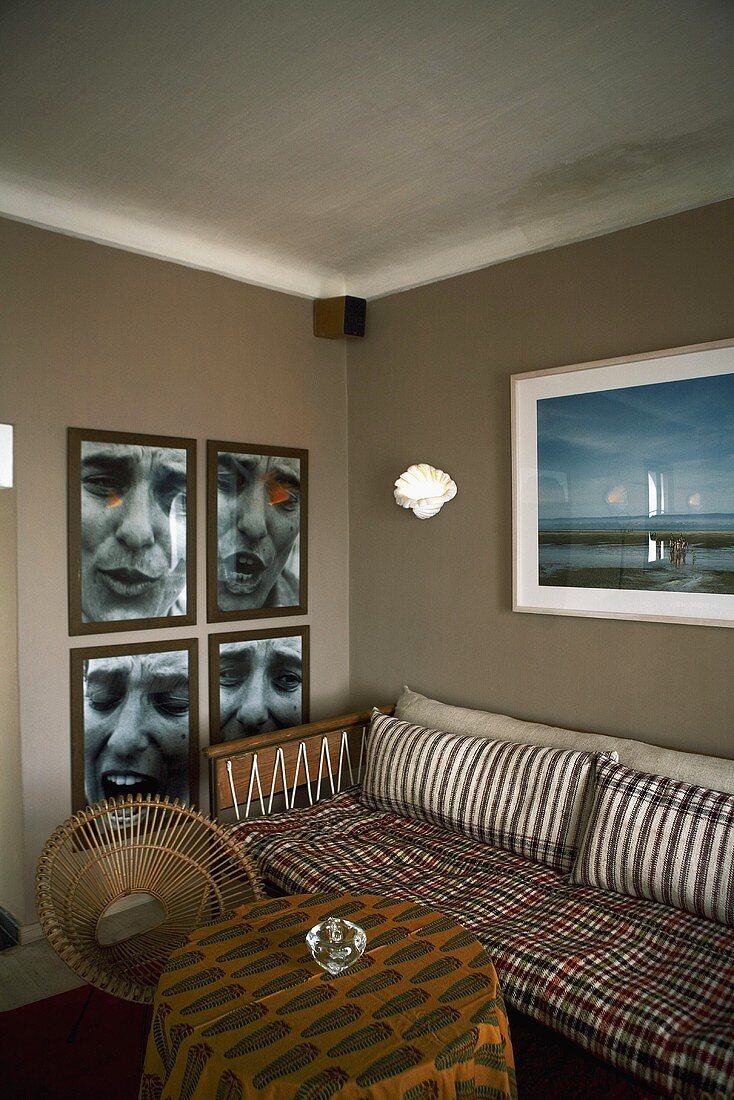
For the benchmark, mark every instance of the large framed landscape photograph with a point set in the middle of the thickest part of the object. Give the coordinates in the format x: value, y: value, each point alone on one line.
x: 623, y: 487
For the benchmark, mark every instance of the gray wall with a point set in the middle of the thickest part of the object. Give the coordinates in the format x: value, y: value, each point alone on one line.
x: 100, y: 338
x: 11, y: 790
x: 431, y: 600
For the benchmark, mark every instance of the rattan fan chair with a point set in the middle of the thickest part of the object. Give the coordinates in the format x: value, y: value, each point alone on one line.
x: 191, y: 867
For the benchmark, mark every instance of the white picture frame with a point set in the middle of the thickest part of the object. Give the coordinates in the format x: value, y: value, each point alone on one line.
x: 670, y: 491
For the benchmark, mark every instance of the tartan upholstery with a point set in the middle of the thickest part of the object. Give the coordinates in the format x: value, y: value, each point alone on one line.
x: 652, y: 837
x: 529, y: 799
x: 647, y: 987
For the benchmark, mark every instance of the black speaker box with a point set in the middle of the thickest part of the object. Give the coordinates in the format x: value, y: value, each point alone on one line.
x: 334, y: 318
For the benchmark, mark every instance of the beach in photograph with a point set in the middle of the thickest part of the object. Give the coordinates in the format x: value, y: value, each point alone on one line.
x: 653, y: 561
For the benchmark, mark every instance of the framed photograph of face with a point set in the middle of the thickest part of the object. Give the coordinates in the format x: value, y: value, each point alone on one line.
x: 258, y: 682
x: 624, y: 487
x: 132, y: 531
x: 134, y: 721
x: 257, y: 547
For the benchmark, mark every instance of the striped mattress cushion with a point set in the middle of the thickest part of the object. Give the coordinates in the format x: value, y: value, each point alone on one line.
x: 527, y: 799
x: 653, y: 837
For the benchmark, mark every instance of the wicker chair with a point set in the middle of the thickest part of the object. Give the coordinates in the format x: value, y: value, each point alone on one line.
x: 191, y: 867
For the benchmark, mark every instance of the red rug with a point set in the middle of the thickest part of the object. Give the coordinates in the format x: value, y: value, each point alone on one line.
x: 37, y: 1062
x: 551, y: 1067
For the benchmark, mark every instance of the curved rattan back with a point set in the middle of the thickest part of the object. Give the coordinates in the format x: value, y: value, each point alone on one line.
x: 192, y: 866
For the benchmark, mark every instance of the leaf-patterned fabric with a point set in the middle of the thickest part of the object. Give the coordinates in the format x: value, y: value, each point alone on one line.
x: 645, y: 986
x: 242, y: 1010
x: 529, y: 799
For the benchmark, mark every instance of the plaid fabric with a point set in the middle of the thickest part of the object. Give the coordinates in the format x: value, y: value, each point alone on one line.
x: 644, y: 986
x: 652, y: 837
x: 529, y: 799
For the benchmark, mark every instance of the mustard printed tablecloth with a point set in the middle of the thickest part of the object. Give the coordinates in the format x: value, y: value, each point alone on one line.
x: 242, y: 1010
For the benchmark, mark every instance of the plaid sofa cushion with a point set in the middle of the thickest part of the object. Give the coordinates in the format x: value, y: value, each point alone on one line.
x: 647, y: 987
x: 529, y: 799
x: 653, y: 837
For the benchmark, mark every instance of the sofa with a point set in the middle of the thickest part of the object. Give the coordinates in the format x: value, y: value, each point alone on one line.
x: 598, y: 871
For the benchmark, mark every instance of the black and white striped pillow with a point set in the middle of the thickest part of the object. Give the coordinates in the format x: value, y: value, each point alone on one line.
x: 653, y: 837
x: 528, y: 799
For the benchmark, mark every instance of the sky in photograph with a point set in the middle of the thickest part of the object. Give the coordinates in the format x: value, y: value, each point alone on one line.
x: 596, y: 450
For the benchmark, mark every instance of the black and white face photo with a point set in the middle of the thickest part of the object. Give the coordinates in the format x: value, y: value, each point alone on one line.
x: 136, y: 726
x: 133, y: 531
x: 258, y: 528
x: 260, y: 686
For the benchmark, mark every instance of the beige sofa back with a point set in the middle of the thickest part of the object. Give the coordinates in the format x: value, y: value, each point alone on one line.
x: 688, y: 767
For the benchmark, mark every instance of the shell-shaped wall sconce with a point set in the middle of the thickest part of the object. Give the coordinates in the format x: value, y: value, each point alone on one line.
x: 424, y: 489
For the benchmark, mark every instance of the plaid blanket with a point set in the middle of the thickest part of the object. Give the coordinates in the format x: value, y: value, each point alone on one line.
x: 644, y: 986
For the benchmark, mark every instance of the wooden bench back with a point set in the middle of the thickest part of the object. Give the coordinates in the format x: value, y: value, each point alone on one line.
x: 257, y: 776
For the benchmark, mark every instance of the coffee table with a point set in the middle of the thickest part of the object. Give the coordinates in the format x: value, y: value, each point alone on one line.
x: 242, y: 1010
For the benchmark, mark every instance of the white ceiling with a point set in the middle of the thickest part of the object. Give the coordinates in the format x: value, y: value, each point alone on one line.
x: 361, y: 146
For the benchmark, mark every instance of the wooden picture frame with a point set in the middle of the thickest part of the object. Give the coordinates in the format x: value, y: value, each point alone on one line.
x: 252, y: 681
x: 131, y: 531
x: 257, y: 531
x: 115, y: 694
x: 623, y: 487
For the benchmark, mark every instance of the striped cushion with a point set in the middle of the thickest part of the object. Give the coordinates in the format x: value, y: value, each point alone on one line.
x: 652, y: 837
x: 528, y: 799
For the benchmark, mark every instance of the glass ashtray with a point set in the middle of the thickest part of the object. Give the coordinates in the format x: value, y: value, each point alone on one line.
x: 336, y: 944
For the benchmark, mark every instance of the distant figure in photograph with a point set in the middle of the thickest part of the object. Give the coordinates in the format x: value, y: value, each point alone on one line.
x: 136, y: 726
x: 258, y: 523
x: 133, y: 531
x: 260, y: 686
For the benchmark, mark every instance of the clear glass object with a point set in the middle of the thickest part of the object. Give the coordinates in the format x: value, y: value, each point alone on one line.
x: 336, y: 944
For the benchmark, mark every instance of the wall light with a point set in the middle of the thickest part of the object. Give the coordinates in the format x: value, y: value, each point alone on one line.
x: 424, y: 489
